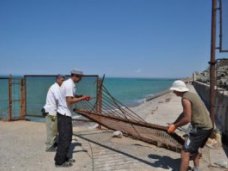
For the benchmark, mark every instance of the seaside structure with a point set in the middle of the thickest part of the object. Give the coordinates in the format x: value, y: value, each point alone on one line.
x: 103, y: 109
x: 106, y: 110
x: 104, y: 151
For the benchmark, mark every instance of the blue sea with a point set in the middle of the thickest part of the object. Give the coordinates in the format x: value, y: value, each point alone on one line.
x: 132, y: 91
x: 129, y: 91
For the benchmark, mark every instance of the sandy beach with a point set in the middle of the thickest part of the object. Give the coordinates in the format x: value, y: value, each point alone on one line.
x: 22, y: 145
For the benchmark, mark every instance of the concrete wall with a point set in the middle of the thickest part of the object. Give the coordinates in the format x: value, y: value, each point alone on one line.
x: 221, y: 106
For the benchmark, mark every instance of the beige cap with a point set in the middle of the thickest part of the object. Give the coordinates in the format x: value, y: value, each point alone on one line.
x: 76, y: 72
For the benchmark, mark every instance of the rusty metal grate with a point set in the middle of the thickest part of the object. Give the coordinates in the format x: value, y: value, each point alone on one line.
x: 114, y: 115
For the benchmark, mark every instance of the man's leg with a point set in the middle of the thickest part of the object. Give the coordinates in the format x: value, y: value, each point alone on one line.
x: 184, y: 160
x: 204, y: 135
x: 196, y: 141
x: 70, y: 131
x: 196, y: 160
x: 49, y: 133
x: 60, y: 156
x: 54, y: 131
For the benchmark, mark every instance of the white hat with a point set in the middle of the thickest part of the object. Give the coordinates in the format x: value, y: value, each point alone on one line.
x: 179, y: 86
x: 76, y: 72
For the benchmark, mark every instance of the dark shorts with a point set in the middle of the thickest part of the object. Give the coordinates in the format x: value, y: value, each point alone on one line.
x: 196, y: 140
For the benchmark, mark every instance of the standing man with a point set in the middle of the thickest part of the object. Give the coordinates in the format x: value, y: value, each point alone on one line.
x: 51, y: 111
x: 194, y: 112
x: 64, y: 116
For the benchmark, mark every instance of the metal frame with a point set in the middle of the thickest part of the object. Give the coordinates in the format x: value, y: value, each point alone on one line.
x: 10, y: 99
x: 220, y: 28
x: 50, y: 75
x: 54, y: 75
x: 213, y: 55
x: 99, y: 119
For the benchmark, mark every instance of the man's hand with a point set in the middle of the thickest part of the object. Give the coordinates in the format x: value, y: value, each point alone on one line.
x: 87, y: 98
x: 171, y: 128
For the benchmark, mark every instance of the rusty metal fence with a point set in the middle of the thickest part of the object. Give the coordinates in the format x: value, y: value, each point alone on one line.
x: 24, y: 97
x: 12, y: 98
x: 36, y: 88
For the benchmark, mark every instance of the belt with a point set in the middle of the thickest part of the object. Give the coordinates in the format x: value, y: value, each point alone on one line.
x: 60, y: 114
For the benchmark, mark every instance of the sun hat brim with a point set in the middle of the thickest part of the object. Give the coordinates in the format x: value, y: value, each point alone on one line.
x: 183, y: 89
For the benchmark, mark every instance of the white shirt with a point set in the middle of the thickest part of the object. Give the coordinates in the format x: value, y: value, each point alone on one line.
x: 68, y: 89
x: 52, y: 99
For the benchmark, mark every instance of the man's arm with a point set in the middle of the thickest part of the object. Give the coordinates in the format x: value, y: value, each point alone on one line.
x: 186, y: 116
x: 73, y: 100
x: 179, y: 118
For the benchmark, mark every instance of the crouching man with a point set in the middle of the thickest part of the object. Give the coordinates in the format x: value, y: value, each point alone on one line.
x: 194, y: 112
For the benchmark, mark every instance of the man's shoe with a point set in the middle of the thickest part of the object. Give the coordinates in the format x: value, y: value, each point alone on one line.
x: 55, y: 145
x: 51, y: 149
x: 71, y: 160
x: 65, y: 164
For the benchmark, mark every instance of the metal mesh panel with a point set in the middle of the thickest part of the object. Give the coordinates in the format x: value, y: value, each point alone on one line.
x: 10, y: 94
x: 88, y: 86
x: 16, y: 98
x: 36, y: 91
x: 116, y: 116
x: 143, y: 131
x: 4, y: 100
x: 224, y: 25
x: 37, y: 88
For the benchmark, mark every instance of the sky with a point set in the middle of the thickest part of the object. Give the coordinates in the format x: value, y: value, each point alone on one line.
x: 119, y: 38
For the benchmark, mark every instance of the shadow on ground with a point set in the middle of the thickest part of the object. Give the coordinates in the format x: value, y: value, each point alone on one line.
x: 164, y: 162
x: 71, y: 150
x: 154, y: 160
x: 226, y: 150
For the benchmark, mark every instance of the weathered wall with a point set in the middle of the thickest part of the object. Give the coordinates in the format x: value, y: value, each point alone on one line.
x: 221, y: 105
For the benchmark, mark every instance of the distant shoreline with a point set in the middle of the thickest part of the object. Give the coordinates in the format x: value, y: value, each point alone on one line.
x: 151, y: 97
x: 159, y: 94
x: 148, y: 98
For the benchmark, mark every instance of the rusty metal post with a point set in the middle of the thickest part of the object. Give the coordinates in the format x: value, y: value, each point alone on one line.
x: 10, y: 98
x: 25, y: 93
x: 22, y: 100
x: 213, y: 61
x: 99, y: 98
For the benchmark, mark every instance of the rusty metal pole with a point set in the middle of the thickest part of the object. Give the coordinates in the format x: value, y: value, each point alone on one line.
x: 22, y: 100
x: 10, y: 98
x: 213, y: 61
x: 99, y: 98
